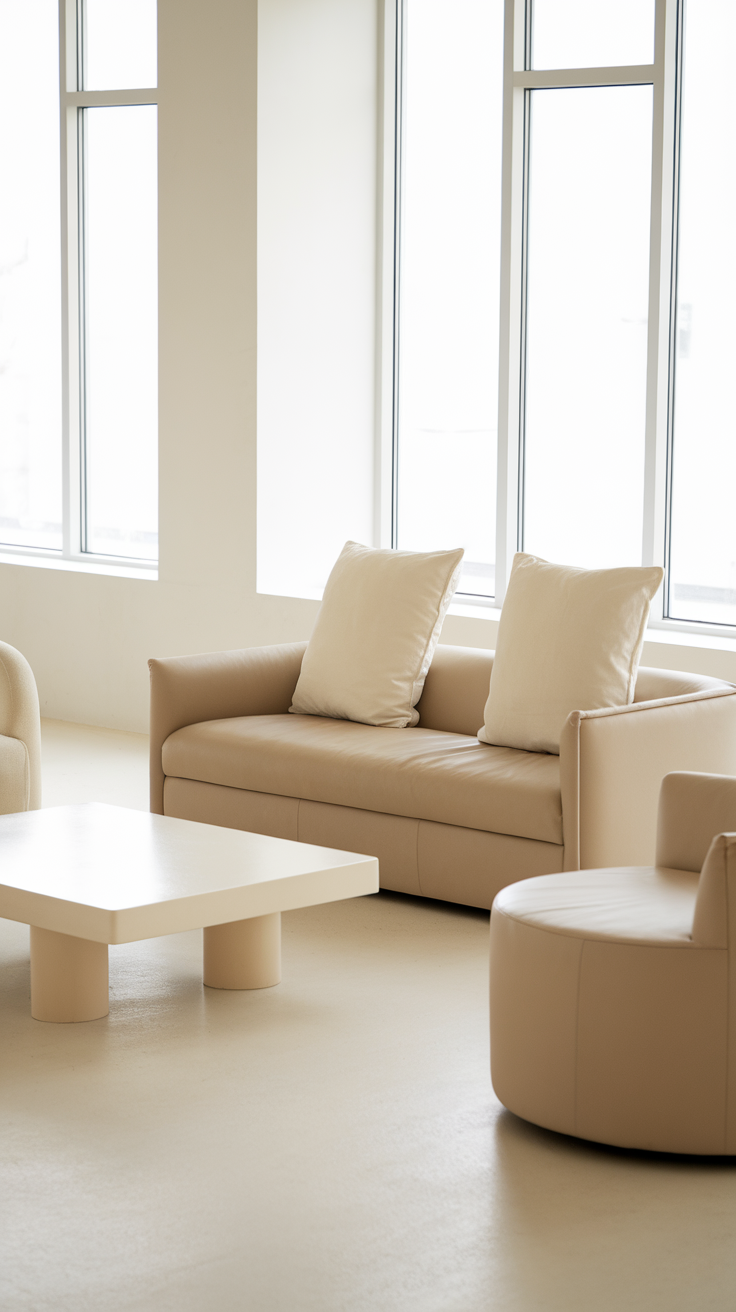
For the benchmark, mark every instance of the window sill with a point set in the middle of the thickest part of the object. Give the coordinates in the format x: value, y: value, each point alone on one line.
x: 479, y: 610
x: 688, y: 638
x: 124, y: 570
x: 666, y: 635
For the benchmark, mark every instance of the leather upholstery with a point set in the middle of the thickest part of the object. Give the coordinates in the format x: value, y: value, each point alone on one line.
x: 418, y: 772
x: 350, y: 671
x: 568, y: 638
x: 612, y: 997
x: 456, y: 690
x: 220, y: 721
x: 415, y: 856
x: 20, y: 734
x: 692, y: 808
x: 187, y: 689
x: 612, y: 763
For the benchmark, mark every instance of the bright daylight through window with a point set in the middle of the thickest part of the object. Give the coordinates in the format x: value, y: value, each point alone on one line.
x: 449, y: 213
x: 78, y: 279
x: 703, y: 538
x: 576, y: 404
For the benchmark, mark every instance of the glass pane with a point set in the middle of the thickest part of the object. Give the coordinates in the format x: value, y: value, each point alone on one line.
x: 119, y: 44
x: 588, y: 272
x: 30, y: 275
x: 592, y: 33
x: 121, y: 331
x: 449, y: 295
x: 703, y: 547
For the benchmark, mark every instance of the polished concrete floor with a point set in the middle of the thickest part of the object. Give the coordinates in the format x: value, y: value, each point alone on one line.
x: 330, y: 1145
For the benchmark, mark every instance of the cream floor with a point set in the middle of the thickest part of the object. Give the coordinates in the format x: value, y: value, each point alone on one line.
x: 331, y: 1145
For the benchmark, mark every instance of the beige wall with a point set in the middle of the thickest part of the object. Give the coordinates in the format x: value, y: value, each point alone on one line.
x: 88, y: 636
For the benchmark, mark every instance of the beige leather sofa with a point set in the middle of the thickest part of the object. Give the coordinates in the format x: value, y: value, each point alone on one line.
x: 447, y: 816
x: 613, y: 991
x: 20, y: 734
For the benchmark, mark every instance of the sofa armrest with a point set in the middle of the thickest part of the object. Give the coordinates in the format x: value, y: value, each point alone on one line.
x: 20, y: 718
x: 612, y: 763
x: 217, y: 686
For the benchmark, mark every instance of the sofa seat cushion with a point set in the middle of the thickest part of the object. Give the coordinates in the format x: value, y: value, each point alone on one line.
x: 422, y: 773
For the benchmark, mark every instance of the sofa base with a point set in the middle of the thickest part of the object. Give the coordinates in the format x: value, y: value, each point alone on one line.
x: 421, y: 857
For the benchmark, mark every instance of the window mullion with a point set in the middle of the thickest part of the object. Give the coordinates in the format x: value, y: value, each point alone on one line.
x: 71, y: 391
x: 511, y: 316
x: 398, y: 154
x: 660, y: 285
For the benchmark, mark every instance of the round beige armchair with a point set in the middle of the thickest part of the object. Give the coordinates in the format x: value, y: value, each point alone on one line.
x: 613, y: 992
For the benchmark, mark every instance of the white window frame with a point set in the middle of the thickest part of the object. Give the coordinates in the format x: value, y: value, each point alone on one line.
x: 664, y: 76
x: 72, y: 554
x: 519, y: 81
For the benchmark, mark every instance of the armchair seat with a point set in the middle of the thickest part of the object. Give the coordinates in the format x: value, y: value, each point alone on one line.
x: 629, y: 904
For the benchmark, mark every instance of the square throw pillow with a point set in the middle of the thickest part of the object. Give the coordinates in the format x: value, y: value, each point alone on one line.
x: 568, y: 640
x: 375, y: 634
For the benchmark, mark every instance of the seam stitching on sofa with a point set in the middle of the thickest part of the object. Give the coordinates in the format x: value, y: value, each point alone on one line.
x: 578, y: 802
x: 679, y: 944
x: 416, y: 859
x: 660, y: 703
x: 728, y: 1011
x: 577, y: 1040
x: 298, y: 817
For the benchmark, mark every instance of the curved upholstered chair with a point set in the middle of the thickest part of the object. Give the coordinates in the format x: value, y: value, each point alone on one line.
x: 20, y: 734
x: 613, y: 992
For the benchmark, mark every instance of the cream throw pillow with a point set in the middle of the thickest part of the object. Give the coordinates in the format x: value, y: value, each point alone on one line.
x: 568, y: 640
x: 375, y: 634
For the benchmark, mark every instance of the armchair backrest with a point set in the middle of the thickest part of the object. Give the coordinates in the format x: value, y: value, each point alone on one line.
x: 714, y: 920
x: 693, y: 810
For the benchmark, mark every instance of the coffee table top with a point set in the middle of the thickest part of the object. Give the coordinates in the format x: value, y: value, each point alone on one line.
x: 115, y: 875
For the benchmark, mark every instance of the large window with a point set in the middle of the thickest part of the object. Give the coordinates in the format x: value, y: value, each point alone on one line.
x: 78, y: 280
x: 563, y: 320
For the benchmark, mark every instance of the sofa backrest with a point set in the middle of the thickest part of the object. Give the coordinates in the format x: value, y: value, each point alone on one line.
x: 457, y: 684
x: 651, y: 684
x: 456, y: 689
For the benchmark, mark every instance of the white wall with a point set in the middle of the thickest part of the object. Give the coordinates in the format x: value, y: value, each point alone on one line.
x: 88, y: 636
x: 316, y: 286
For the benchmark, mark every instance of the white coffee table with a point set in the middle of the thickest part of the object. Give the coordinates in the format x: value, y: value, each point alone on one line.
x: 86, y: 876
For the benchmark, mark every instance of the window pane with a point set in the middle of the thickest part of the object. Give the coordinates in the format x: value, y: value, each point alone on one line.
x: 592, y: 33
x: 703, y: 548
x: 449, y: 294
x: 121, y: 333
x: 30, y: 275
x: 588, y: 270
x: 119, y: 44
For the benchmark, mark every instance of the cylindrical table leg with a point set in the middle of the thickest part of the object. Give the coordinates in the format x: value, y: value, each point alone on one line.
x: 246, y: 954
x: 68, y: 977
